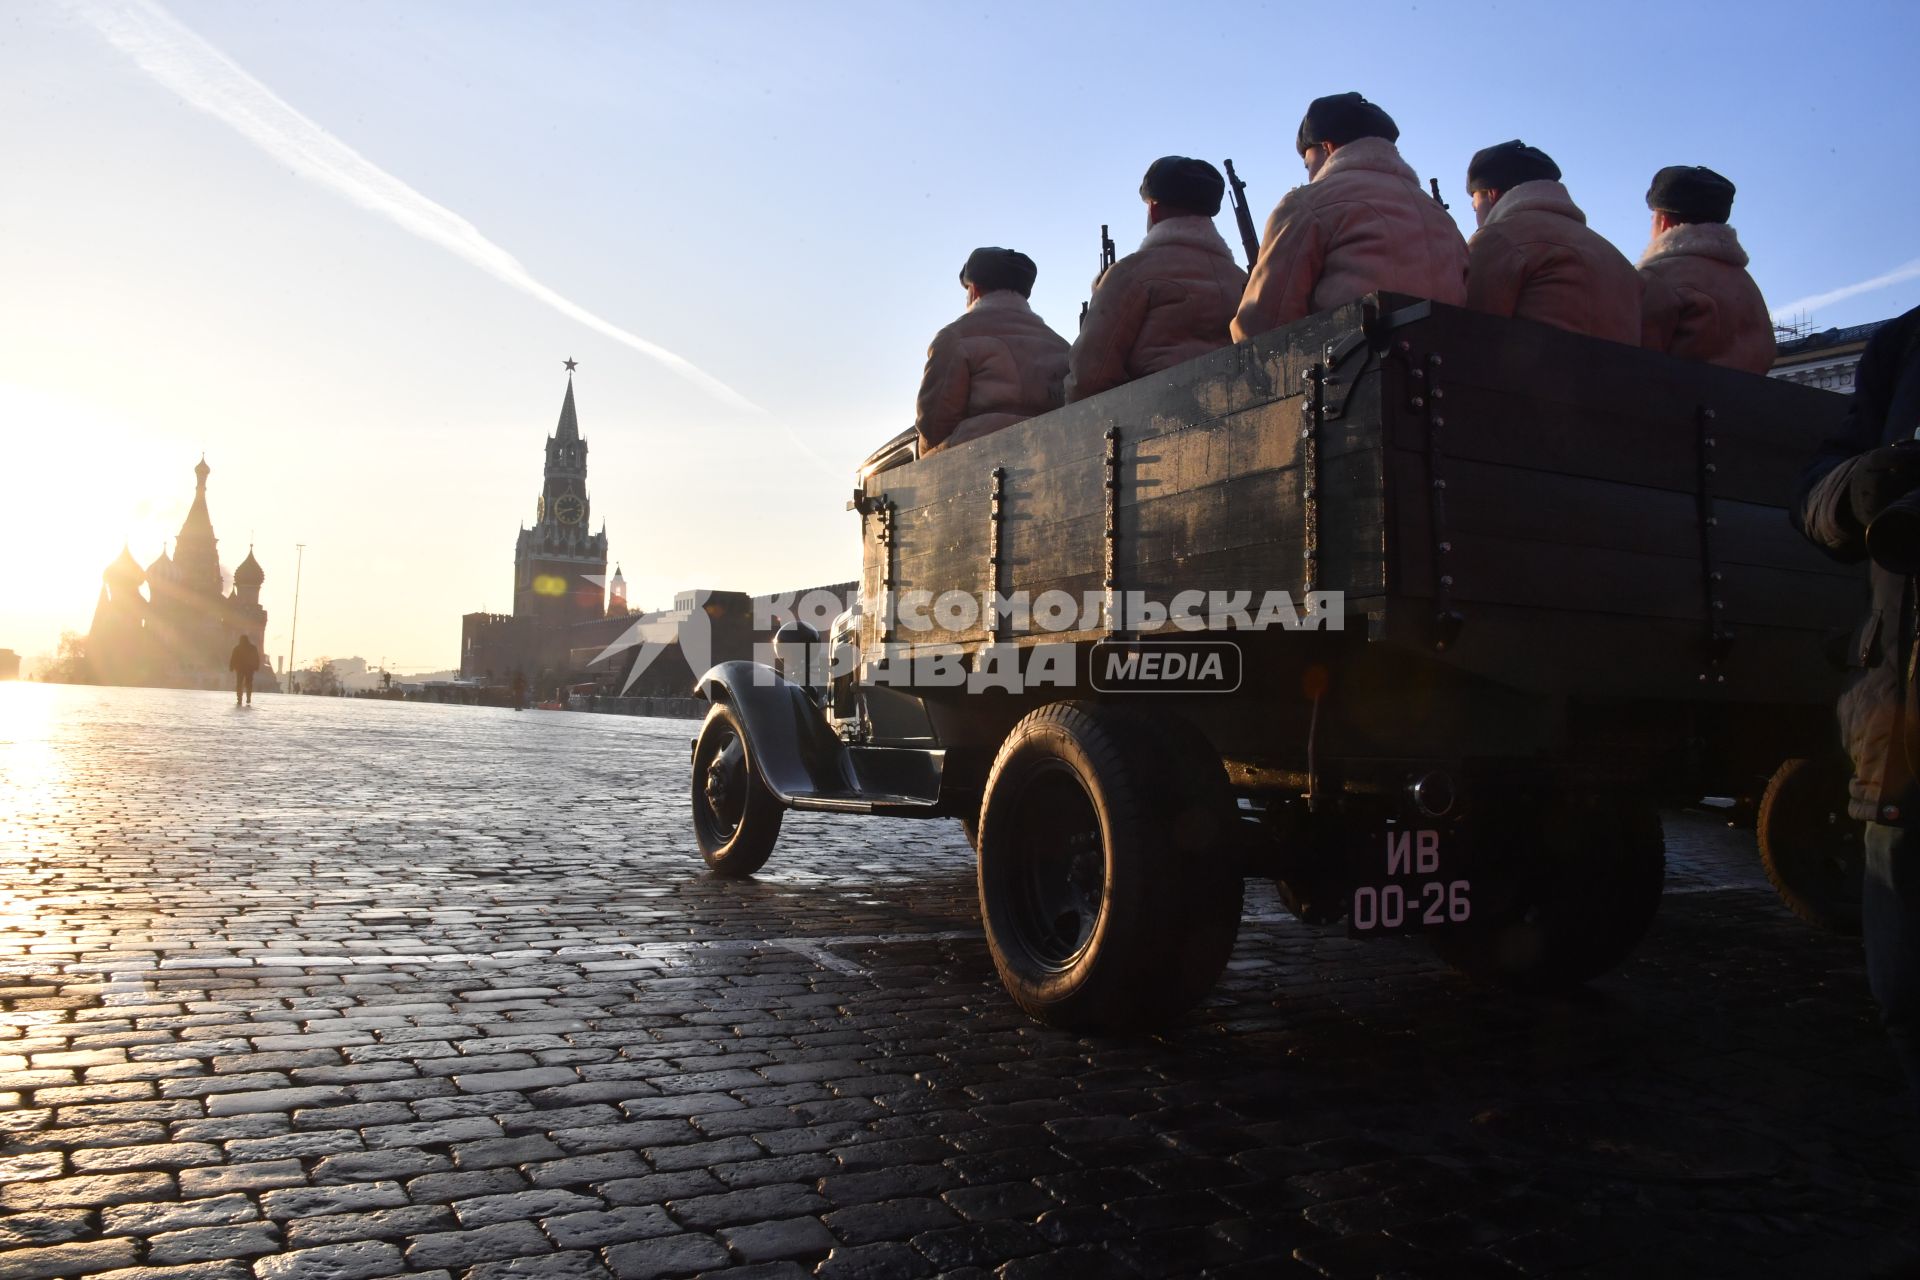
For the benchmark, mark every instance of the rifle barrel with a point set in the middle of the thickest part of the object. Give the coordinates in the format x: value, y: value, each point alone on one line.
x: 1249, y: 238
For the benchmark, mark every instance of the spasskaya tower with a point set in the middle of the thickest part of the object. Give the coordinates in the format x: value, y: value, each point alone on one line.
x: 558, y: 565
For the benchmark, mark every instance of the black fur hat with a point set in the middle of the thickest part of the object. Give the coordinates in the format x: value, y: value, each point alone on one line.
x: 1506, y: 166
x: 994, y: 268
x: 1691, y: 193
x: 1183, y: 183
x: 1340, y: 119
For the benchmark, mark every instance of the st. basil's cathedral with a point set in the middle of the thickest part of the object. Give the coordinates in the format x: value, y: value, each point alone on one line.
x: 180, y: 633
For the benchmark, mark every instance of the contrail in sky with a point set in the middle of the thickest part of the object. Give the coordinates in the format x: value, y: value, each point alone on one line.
x: 185, y: 63
x: 1814, y: 302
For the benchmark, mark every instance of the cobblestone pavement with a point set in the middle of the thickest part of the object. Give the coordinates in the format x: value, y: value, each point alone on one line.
x: 333, y: 991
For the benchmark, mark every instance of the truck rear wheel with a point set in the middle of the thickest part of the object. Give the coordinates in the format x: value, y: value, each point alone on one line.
x: 1570, y: 885
x: 1811, y: 849
x: 1108, y: 892
x: 735, y: 818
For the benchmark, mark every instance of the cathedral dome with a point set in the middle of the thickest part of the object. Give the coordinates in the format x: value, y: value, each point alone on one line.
x: 161, y: 568
x: 249, y: 573
x: 125, y: 569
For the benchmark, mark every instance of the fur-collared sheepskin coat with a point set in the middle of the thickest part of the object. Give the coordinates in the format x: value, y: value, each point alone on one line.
x: 996, y: 365
x: 1172, y: 300
x: 1363, y: 223
x: 1535, y: 258
x: 1700, y: 302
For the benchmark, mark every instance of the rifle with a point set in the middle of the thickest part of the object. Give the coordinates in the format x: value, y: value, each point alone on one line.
x: 1434, y: 184
x: 1106, y: 260
x: 1242, y: 215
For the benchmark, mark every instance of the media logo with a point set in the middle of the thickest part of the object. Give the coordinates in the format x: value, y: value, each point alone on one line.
x: 1165, y: 666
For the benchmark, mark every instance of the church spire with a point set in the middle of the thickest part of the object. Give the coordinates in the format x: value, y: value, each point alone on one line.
x: 569, y: 428
x: 198, y: 523
x: 195, y: 555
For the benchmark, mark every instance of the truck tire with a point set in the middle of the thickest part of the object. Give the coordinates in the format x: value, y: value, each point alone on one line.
x: 735, y: 818
x: 1107, y: 889
x: 1570, y: 884
x: 1811, y: 849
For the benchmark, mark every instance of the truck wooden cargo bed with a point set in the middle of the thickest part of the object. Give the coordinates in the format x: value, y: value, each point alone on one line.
x: 1518, y: 517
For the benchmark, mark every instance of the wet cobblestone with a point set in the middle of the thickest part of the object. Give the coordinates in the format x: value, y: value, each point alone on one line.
x: 345, y: 990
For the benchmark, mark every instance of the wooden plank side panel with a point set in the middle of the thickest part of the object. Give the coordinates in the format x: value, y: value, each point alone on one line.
x: 1550, y: 577
x: 1496, y: 500
x: 1538, y: 397
x: 1607, y: 655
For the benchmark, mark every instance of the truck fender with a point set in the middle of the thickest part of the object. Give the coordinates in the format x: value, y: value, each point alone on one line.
x: 788, y: 741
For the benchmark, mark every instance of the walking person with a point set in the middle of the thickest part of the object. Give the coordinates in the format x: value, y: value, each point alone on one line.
x: 244, y: 662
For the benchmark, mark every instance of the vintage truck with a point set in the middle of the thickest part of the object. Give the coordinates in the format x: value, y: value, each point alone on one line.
x: 1419, y: 613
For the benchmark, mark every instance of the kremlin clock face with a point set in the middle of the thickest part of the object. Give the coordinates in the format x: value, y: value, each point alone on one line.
x: 570, y: 509
x: 540, y: 508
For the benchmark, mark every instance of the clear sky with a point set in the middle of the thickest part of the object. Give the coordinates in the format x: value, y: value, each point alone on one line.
x: 343, y: 248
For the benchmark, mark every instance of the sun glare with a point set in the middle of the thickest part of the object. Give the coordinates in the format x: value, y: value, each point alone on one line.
x: 138, y: 502
x: 30, y: 770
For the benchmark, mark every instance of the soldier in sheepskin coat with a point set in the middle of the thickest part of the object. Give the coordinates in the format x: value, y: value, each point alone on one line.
x: 1172, y: 300
x: 1535, y: 258
x: 1362, y: 223
x: 1700, y: 302
x: 996, y: 365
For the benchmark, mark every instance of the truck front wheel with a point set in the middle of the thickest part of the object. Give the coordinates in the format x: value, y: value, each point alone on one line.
x: 1108, y: 889
x: 1574, y: 884
x: 735, y: 818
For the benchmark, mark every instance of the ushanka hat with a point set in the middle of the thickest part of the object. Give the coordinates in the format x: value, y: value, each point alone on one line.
x: 1181, y: 182
x: 994, y: 268
x: 1691, y: 193
x: 1506, y: 166
x: 1341, y: 119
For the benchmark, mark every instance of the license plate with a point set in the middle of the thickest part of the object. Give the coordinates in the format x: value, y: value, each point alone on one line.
x: 1410, y: 879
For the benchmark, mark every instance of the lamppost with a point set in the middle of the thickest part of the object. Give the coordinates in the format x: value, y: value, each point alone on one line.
x: 293, y: 680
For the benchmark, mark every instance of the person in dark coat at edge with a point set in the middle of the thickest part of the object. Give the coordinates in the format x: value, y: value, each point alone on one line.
x: 244, y: 661
x: 1870, y: 463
